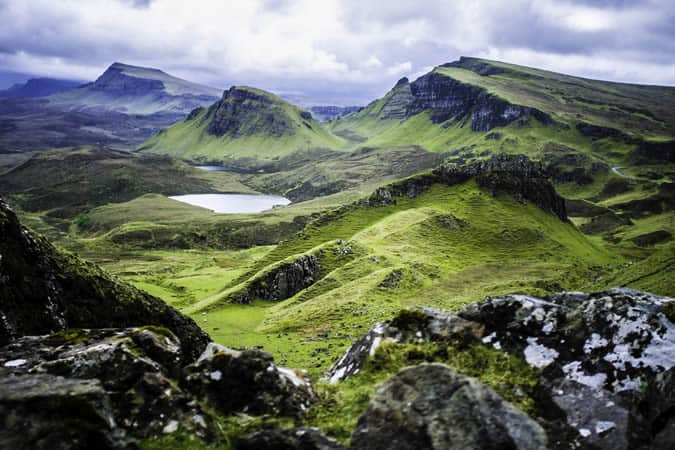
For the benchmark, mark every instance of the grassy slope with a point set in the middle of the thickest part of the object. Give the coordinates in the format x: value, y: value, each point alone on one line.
x: 496, y: 252
x: 189, y: 138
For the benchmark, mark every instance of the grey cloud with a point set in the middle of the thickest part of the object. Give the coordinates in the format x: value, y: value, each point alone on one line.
x: 220, y: 50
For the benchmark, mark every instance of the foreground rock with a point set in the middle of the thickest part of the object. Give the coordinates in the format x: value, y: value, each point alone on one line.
x: 606, y: 359
x: 106, y: 388
x: 43, y: 290
x: 248, y: 382
x: 431, y: 407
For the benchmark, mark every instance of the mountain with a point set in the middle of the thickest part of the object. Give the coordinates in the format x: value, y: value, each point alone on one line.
x: 122, y: 108
x: 39, y: 87
x: 245, y: 123
x: 136, y: 90
x: 489, y: 105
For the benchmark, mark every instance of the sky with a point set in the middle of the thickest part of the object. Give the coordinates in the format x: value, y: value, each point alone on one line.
x: 335, y: 51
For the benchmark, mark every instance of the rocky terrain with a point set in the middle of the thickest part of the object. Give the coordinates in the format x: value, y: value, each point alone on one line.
x: 605, y: 362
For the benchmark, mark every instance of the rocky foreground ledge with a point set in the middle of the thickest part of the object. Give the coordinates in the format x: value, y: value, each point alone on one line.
x: 606, y: 361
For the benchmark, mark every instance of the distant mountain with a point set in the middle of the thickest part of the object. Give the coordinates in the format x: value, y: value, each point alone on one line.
x: 123, y: 108
x: 328, y: 113
x: 458, y: 104
x: 245, y: 123
x: 136, y: 90
x: 39, y: 87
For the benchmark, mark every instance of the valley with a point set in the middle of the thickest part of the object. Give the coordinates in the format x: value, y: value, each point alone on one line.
x: 265, y: 228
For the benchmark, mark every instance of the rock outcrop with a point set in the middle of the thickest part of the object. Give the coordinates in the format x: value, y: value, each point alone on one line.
x: 513, y: 175
x: 606, y: 359
x: 107, y: 388
x: 248, y: 382
x: 247, y: 112
x: 283, y: 281
x: 447, y: 99
x: 429, y: 406
x: 43, y: 290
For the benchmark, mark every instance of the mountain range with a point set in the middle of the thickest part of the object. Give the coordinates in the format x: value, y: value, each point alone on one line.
x: 39, y: 87
x: 123, y: 107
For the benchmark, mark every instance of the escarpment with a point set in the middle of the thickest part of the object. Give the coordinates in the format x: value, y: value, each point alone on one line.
x: 502, y: 174
x: 448, y: 100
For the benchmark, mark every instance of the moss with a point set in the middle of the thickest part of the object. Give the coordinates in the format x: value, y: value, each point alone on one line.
x: 160, y: 331
x: 342, y: 404
x: 410, y: 319
x: 70, y: 336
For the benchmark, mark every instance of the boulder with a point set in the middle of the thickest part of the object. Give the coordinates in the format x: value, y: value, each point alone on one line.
x: 248, y: 382
x: 429, y: 406
x: 84, y: 386
x: 606, y: 358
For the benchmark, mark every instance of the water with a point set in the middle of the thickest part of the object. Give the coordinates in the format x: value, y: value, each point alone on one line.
x: 223, y: 169
x: 233, y: 203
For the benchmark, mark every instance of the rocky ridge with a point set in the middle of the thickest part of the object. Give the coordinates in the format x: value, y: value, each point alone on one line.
x: 513, y: 175
x: 43, y: 290
x: 450, y: 101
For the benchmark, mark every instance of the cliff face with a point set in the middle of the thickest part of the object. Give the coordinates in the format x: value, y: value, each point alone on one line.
x: 244, y: 112
x: 503, y: 174
x: 43, y: 290
x: 445, y: 98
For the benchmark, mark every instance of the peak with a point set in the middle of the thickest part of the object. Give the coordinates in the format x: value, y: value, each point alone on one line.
x: 401, y: 82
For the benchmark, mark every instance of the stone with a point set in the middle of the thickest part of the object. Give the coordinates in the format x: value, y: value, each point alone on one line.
x: 248, y: 382
x: 606, y: 358
x: 429, y: 406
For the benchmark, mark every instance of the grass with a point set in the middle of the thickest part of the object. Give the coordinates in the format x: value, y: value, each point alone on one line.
x: 496, y: 252
x: 342, y: 404
x: 266, y: 127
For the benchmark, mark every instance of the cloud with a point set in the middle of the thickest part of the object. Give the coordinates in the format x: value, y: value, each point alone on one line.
x: 340, y: 50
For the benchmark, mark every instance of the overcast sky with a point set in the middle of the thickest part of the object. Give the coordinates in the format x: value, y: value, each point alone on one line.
x: 339, y: 51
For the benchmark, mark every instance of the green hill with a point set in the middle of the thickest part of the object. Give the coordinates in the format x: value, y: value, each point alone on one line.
x: 246, y: 124
x: 473, y: 105
x: 437, y: 239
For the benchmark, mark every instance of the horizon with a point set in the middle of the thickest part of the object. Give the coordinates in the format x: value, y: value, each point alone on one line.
x: 340, y: 51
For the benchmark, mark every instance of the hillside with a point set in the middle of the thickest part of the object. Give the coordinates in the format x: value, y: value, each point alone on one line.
x: 64, y: 183
x: 136, y: 90
x: 44, y: 290
x: 435, y: 239
x: 475, y: 105
x: 246, y: 123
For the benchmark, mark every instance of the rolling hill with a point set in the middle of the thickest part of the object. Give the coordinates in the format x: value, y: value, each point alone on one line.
x: 246, y: 123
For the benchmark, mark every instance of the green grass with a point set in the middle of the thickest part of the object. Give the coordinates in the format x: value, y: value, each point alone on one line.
x: 505, y: 247
x: 342, y: 404
x: 256, y: 137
